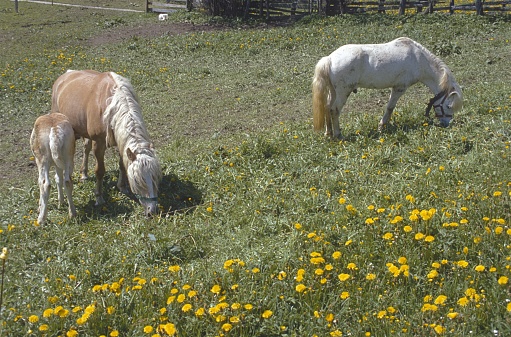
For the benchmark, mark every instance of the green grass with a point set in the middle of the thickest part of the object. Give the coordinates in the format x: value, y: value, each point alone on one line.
x: 267, y: 229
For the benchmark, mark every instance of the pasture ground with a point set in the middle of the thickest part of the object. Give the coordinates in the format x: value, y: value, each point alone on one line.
x: 267, y: 229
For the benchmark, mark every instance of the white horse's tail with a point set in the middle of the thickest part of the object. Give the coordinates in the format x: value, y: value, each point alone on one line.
x: 56, y: 146
x: 322, y: 93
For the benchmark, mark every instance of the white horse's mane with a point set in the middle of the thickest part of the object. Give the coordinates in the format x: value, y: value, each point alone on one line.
x: 126, y: 129
x: 447, y: 78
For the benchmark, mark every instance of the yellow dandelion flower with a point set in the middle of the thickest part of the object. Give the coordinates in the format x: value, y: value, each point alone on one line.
x: 440, y: 299
x: 452, y: 315
x: 336, y: 255
x: 114, y: 333
x: 502, y: 280
x: 174, y: 269
x: 267, y: 314
x: 169, y: 329
x: 226, y: 327
x: 419, y: 236
x: 199, y: 312
x: 370, y: 276
x: 463, y: 301
x: 439, y: 329
x: 429, y: 238
x: 407, y: 229
x: 343, y: 277
x: 216, y: 289
x: 148, y: 329
x: 33, y: 319
x: 300, y: 287
x: 344, y: 295
x: 44, y: 327
x: 187, y: 307
x: 479, y: 268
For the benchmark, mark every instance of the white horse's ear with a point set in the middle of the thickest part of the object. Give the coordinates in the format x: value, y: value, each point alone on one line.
x: 131, y: 155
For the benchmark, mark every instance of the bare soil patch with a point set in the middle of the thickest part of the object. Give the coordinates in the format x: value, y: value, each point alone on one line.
x: 149, y: 30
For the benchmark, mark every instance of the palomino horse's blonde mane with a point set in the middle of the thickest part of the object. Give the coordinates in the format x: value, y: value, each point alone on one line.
x: 126, y: 130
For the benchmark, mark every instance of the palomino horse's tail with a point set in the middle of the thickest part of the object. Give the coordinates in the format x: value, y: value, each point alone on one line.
x: 322, y: 93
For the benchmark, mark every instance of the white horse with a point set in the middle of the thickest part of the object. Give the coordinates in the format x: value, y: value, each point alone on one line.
x: 397, y: 64
x: 53, y: 143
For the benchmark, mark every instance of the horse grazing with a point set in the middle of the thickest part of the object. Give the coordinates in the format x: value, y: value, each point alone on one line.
x: 104, y: 109
x: 397, y: 65
x: 53, y: 143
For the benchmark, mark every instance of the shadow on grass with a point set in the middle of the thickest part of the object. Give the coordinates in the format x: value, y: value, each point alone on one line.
x: 175, y: 196
x: 178, y: 196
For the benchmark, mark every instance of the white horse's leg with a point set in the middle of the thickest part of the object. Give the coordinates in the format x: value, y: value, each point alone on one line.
x: 335, y: 112
x: 43, y: 166
x: 84, y: 170
x: 395, y: 94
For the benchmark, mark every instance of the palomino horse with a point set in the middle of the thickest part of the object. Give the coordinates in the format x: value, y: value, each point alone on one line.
x: 397, y: 65
x: 53, y: 144
x: 104, y: 108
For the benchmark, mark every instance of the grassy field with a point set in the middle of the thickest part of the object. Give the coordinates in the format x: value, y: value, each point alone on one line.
x: 267, y: 228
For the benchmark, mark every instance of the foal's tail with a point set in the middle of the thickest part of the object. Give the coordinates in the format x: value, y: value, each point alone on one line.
x: 322, y: 93
x: 57, y: 146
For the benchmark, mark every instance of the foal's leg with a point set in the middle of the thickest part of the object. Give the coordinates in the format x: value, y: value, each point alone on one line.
x: 43, y: 166
x: 87, y: 147
x: 59, y: 180
x: 395, y: 94
x: 99, y: 148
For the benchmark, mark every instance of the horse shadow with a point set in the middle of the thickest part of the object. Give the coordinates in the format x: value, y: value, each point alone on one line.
x: 178, y: 196
x: 175, y: 196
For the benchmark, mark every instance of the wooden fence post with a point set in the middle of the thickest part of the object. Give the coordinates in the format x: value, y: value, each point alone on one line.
x: 451, y: 7
x: 402, y: 7
x: 381, y: 6
x: 16, y: 5
x: 431, y: 4
x: 479, y: 7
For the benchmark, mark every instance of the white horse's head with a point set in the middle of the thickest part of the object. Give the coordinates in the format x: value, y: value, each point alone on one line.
x: 144, y: 176
x: 445, y: 104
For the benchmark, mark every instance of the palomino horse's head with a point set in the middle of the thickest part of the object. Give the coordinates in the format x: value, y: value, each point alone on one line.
x: 445, y: 104
x: 144, y: 176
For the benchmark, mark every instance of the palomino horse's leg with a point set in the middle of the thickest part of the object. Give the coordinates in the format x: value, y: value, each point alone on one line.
x: 395, y: 94
x: 43, y: 166
x: 68, y: 187
x: 84, y: 170
x: 122, y: 183
x: 99, y: 152
x: 68, y: 173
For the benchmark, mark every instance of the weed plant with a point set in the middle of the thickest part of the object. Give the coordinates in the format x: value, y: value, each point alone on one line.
x: 266, y: 228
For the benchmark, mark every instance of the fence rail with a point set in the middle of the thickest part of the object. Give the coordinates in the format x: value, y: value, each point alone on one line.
x: 168, y: 6
x: 278, y: 8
